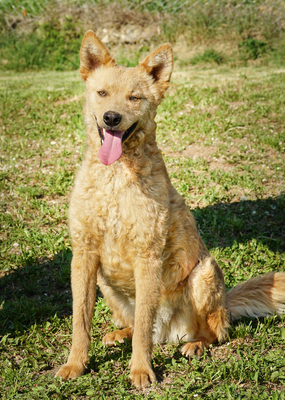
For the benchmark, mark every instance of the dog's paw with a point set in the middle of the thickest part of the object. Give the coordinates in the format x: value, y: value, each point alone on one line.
x: 70, y: 371
x: 192, y: 349
x: 142, y: 378
x: 117, y: 336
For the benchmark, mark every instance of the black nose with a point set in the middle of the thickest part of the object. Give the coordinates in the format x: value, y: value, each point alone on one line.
x: 112, y: 118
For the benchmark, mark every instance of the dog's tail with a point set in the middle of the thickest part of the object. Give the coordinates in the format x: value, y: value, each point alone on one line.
x: 258, y: 297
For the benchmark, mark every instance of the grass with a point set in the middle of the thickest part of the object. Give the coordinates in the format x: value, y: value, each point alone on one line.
x: 222, y: 134
x: 209, y: 56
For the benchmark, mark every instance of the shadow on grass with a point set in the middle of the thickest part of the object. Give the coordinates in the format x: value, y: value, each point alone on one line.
x: 35, y: 292
x: 39, y: 290
x: 224, y: 224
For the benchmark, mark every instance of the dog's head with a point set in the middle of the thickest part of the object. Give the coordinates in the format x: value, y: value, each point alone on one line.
x: 120, y: 100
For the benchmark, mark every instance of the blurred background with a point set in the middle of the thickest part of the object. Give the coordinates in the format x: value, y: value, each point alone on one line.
x: 47, y: 34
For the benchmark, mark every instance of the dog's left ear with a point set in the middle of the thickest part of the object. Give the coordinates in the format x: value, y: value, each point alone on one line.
x: 159, y: 65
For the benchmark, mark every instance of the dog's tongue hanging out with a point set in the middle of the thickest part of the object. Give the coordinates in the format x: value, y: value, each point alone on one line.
x: 111, y: 149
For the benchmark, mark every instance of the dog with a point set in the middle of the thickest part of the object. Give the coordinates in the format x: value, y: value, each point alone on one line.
x: 132, y: 233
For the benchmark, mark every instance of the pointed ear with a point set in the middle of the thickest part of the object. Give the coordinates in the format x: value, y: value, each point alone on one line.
x: 92, y: 54
x: 159, y: 65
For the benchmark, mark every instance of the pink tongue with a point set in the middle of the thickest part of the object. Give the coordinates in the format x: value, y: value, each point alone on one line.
x: 111, y: 149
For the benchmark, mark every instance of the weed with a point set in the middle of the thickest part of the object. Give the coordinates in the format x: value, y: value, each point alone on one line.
x: 209, y: 56
x: 252, y: 48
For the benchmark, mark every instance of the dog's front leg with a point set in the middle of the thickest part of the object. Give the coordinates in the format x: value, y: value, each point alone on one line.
x: 84, y: 267
x: 147, y: 281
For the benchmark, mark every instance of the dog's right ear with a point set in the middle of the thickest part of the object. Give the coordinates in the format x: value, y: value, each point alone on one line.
x: 92, y: 54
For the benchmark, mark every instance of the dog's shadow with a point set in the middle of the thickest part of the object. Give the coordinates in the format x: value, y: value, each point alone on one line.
x: 226, y: 224
x: 36, y: 292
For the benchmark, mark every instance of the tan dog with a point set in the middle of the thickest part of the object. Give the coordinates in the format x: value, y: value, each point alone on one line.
x: 133, y: 234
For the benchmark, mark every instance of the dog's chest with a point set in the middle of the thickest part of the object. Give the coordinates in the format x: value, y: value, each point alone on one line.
x: 133, y: 225
x: 123, y: 216
x: 119, y: 218
x: 129, y: 232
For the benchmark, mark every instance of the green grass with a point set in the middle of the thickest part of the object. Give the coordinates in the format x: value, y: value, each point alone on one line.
x: 252, y: 48
x: 209, y: 56
x: 222, y: 134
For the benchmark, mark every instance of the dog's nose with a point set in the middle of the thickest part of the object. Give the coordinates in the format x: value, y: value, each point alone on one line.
x: 112, y: 118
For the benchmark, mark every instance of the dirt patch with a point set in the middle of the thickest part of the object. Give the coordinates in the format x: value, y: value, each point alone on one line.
x: 198, y: 151
x: 209, y: 153
x: 195, y: 151
x: 220, y: 163
x: 67, y: 101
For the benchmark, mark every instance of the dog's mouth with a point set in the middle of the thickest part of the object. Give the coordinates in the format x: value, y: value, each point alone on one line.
x: 111, y: 143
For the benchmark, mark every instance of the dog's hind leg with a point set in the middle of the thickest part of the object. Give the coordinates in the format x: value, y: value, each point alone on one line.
x: 83, y: 281
x: 123, y: 309
x: 210, y: 319
x: 111, y: 338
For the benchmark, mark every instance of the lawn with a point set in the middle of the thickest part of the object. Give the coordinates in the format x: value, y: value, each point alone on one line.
x: 221, y: 131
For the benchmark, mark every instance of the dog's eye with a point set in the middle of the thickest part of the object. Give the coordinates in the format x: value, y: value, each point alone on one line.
x: 102, y: 93
x: 133, y: 98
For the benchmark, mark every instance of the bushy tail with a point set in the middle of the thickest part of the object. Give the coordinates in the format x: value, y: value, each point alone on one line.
x: 258, y: 297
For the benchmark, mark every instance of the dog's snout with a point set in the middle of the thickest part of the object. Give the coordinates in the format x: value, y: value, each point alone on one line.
x: 112, y: 118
